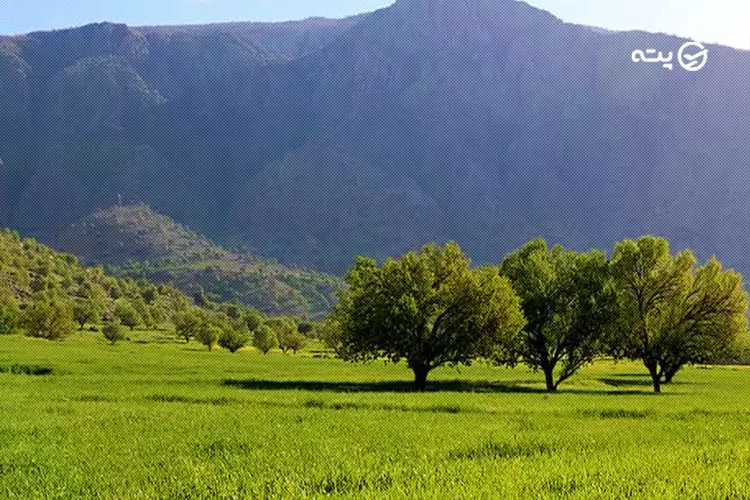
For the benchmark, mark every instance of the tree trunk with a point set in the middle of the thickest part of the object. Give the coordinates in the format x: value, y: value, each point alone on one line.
x: 653, y: 370
x: 549, y: 379
x: 420, y: 376
x: 670, y: 372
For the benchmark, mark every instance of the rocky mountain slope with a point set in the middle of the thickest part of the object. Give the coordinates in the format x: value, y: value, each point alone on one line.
x: 485, y: 121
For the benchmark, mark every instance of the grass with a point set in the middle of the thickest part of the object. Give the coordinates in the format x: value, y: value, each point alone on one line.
x: 153, y: 418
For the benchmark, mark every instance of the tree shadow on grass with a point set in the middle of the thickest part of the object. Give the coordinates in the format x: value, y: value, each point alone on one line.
x: 386, y: 386
x: 465, y: 386
x: 632, y: 380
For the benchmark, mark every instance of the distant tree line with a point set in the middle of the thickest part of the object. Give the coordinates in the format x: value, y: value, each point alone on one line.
x: 48, y: 295
x: 556, y: 310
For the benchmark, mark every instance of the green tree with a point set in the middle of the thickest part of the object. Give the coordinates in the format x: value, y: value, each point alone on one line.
x: 208, y: 335
x: 253, y: 318
x: 187, y: 323
x: 290, y: 339
x: 329, y: 332
x: 48, y: 318
x: 673, y: 313
x: 264, y: 339
x: 235, y: 337
x: 127, y: 314
x: 428, y: 308
x: 144, y: 312
x: 87, y: 310
x: 113, y: 332
x: 569, y: 302
x: 9, y: 313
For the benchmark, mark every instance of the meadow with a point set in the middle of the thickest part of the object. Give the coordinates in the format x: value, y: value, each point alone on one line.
x: 153, y: 418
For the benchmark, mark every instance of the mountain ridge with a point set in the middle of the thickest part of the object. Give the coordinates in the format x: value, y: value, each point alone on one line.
x: 486, y: 122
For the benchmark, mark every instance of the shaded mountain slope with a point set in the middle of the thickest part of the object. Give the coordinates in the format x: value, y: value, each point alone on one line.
x: 485, y: 121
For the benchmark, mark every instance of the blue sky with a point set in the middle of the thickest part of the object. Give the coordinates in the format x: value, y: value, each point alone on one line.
x: 724, y: 21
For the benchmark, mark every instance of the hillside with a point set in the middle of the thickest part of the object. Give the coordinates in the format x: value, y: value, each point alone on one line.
x: 136, y: 242
x: 488, y: 122
x: 31, y: 273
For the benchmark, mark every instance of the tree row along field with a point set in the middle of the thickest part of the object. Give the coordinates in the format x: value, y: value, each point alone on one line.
x: 553, y: 309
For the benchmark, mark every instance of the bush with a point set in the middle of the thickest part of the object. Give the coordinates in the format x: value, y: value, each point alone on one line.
x: 50, y: 319
x: 265, y: 339
x: 113, y: 332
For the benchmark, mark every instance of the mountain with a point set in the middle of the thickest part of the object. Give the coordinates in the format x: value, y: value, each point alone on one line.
x: 484, y: 121
x: 137, y: 242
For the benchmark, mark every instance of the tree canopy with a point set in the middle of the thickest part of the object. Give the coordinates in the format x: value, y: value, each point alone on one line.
x: 569, y: 303
x: 674, y: 313
x: 428, y: 308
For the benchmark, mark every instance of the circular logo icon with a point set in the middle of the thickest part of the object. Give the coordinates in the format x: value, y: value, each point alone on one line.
x: 693, y: 56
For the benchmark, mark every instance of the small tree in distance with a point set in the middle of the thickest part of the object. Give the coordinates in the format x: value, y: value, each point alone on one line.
x: 127, y: 314
x: 48, y: 318
x: 87, y: 311
x: 253, y: 319
x: 289, y: 336
x: 234, y: 338
x: 428, y: 308
x: 208, y: 335
x: 113, y: 332
x: 9, y: 313
x: 264, y: 339
x: 187, y: 323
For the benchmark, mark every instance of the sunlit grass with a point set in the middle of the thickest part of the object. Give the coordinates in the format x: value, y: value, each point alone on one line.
x: 155, y: 418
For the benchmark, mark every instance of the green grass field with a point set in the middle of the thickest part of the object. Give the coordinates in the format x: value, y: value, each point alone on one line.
x: 167, y: 420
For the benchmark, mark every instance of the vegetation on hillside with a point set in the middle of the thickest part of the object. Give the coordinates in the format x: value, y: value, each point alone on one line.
x: 49, y: 295
x: 137, y: 242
